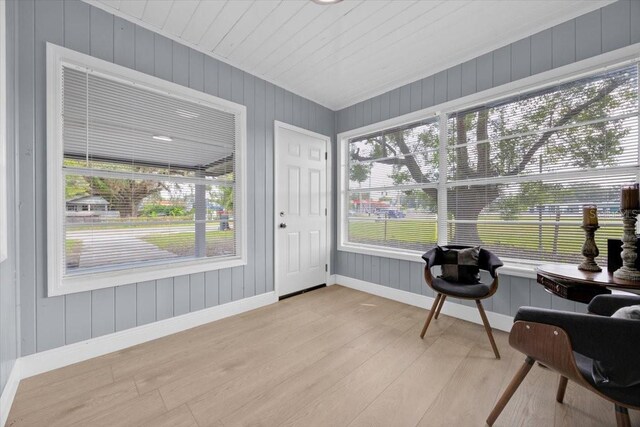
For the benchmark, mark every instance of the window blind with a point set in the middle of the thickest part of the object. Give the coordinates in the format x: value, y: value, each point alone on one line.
x: 392, y: 190
x: 519, y: 170
x: 149, y: 176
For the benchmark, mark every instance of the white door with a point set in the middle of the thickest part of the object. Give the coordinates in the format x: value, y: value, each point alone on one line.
x: 300, y: 209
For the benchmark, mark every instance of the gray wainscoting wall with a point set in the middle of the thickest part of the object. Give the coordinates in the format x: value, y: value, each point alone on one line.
x: 9, y: 328
x: 52, y: 322
x: 612, y: 27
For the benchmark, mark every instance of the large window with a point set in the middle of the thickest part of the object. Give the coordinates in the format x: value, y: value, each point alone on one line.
x: 392, y: 190
x: 521, y: 169
x: 518, y: 171
x: 145, y: 177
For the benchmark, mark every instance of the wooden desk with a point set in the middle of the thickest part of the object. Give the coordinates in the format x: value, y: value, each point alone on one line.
x: 566, y: 281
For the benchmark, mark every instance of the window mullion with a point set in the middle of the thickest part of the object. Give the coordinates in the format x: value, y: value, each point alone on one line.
x: 442, y: 181
x: 585, y: 173
x: 417, y: 186
x: 638, y: 109
x: 201, y: 220
x: 99, y: 173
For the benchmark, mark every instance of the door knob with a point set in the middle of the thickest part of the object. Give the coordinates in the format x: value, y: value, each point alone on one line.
x: 283, y: 225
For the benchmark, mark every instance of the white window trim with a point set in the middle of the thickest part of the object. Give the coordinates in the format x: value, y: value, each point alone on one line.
x: 57, y: 283
x: 4, y: 198
x: 513, y: 267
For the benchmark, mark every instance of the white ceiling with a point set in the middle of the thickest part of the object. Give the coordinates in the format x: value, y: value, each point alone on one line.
x: 343, y: 53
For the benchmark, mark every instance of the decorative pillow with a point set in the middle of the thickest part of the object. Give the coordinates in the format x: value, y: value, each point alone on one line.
x: 606, y: 374
x: 459, y: 265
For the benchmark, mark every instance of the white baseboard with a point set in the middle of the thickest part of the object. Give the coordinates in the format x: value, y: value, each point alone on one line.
x: 9, y: 392
x: 38, y: 363
x: 498, y: 321
x: 73, y: 353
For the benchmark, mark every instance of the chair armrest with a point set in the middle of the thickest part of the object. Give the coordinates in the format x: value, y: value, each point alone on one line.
x: 430, y: 257
x: 490, y: 262
x: 606, y: 339
x: 606, y: 305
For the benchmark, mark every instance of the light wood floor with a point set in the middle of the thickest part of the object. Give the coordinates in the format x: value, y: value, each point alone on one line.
x: 331, y: 357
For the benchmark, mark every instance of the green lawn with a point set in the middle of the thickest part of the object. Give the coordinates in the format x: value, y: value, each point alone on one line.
x: 183, y: 244
x: 72, y: 249
x: 565, y: 239
x: 406, y: 230
x: 547, y: 240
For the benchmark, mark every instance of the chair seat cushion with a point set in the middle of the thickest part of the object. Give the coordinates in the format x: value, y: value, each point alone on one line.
x: 626, y: 395
x: 455, y: 289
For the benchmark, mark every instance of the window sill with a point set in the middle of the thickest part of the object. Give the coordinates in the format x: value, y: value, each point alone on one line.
x: 518, y: 268
x: 109, y: 279
x: 512, y: 267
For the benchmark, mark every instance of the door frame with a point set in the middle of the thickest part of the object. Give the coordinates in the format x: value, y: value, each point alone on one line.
x: 278, y: 125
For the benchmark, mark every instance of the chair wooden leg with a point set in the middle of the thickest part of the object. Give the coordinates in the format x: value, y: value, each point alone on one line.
x: 511, y: 388
x: 622, y: 416
x: 487, y: 327
x: 440, y: 305
x: 562, y: 387
x: 431, y: 313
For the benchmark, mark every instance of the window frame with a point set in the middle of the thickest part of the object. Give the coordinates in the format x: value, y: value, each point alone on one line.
x: 513, y: 266
x: 58, y: 283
